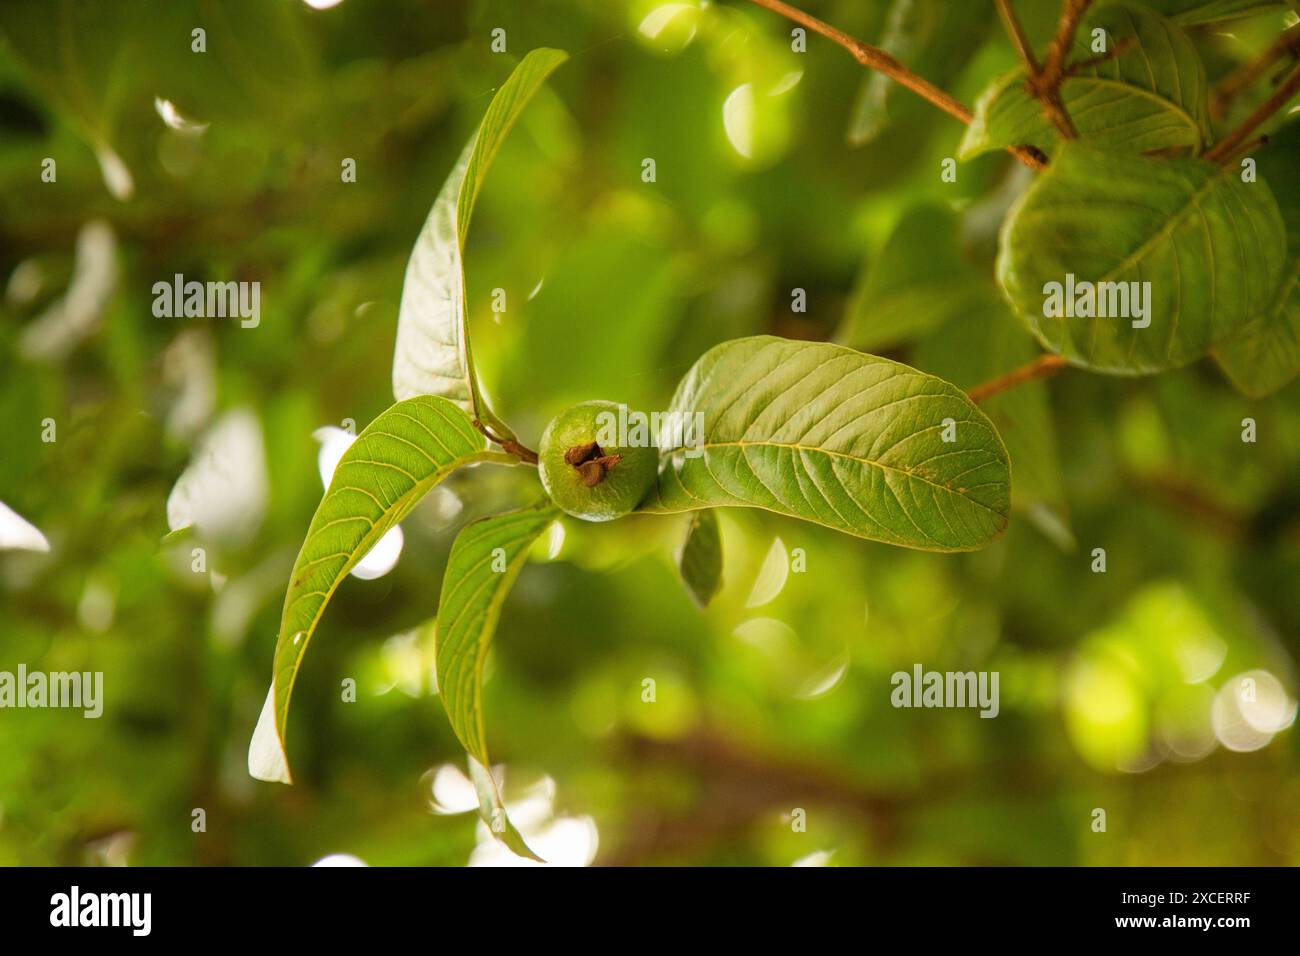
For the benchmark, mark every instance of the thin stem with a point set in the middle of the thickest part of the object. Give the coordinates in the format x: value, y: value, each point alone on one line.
x: 1221, y: 97
x: 1246, y: 149
x: 522, y: 452
x: 1017, y: 34
x: 873, y: 57
x: 1044, y: 82
x: 1226, y: 147
x: 1042, y: 367
x: 877, y: 59
x: 1072, y: 12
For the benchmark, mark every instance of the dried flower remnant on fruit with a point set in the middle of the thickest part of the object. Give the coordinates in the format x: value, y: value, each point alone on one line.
x: 591, y: 461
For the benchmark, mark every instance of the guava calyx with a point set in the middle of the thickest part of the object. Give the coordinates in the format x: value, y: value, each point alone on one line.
x: 591, y: 462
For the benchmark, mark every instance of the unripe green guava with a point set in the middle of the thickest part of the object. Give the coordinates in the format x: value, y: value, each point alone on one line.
x: 589, y: 480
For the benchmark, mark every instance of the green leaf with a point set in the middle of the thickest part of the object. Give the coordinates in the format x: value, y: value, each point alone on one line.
x: 485, y: 559
x: 918, y: 282
x: 382, y: 476
x: 700, y: 560
x: 1152, y: 96
x: 1189, y: 12
x: 1267, y: 355
x: 980, y: 345
x: 1209, y: 245
x: 1264, y: 361
x: 849, y: 441
x: 936, y: 39
x: 492, y: 811
x: 433, y: 355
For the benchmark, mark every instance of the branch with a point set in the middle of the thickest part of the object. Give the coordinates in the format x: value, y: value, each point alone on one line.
x: 1072, y: 12
x: 1017, y: 34
x: 877, y: 59
x: 1044, y: 82
x: 1287, y: 43
x: 1224, y: 148
x: 1042, y: 367
x: 1245, y: 150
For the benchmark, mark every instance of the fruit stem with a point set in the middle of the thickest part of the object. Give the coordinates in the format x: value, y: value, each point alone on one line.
x: 522, y: 452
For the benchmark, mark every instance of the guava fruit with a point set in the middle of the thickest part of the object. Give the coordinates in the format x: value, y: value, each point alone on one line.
x: 587, y: 479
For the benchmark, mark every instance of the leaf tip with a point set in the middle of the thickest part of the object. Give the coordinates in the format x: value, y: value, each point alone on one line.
x: 266, y: 757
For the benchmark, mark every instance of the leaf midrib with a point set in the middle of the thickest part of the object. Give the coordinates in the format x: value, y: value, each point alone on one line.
x: 1171, y: 224
x: 1152, y: 95
x: 830, y: 453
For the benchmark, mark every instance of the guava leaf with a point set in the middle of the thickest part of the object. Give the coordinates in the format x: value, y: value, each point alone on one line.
x: 492, y: 811
x: 433, y: 355
x: 1209, y: 245
x: 846, y: 440
x: 382, y: 476
x: 485, y: 559
x: 917, y: 283
x: 978, y: 346
x: 1262, y: 362
x: 1151, y: 96
x: 1267, y: 355
x: 1189, y: 12
x: 700, y: 559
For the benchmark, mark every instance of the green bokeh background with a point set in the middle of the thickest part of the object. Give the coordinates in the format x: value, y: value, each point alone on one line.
x: 613, y: 286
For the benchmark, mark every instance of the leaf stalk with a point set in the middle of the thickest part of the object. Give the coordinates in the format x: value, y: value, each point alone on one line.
x: 1044, y: 366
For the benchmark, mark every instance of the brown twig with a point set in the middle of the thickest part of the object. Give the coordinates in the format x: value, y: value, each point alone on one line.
x: 1041, y: 367
x: 1246, y: 149
x: 877, y: 59
x: 1221, y: 97
x: 522, y: 452
x: 1072, y: 12
x: 1044, y: 82
x: 1225, y: 148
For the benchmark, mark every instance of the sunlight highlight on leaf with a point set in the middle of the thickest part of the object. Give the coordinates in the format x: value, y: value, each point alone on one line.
x: 771, y: 577
x: 265, y: 755
x: 19, y: 534
x: 78, y: 313
x: 117, y: 178
x: 224, y: 490
x: 170, y: 115
x: 673, y: 24
x: 383, y: 557
x: 738, y: 119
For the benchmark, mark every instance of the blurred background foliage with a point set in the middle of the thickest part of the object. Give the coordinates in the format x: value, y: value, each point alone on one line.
x: 775, y: 171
